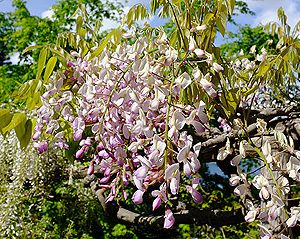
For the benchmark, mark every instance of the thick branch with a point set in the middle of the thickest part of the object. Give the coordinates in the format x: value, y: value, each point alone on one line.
x: 195, y: 216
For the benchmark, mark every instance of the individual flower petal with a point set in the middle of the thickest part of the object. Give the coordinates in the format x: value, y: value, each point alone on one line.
x: 236, y: 160
x: 195, y: 163
x: 91, y: 168
x: 187, y: 169
x: 264, y: 232
x: 199, y: 128
x: 217, y: 67
x: 251, y: 215
x: 234, y: 180
x: 42, y: 146
x: 283, y: 237
x: 264, y: 193
x: 199, y: 52
x: 79, y: 153
x: 292, y: 221
x: 171, y: 171
x: 183, y: 80
x: 273, y: 213
x: 197, y: 197
x: 156, y: 203
x: 240, y: 190
x: 169, y: 219
x: 141, y: 172
x: 197, y: 148
x: 138, y: 183
x: 137, y: 197
x: 260, y: 181
x: 183, y: 154
x: 174, y: 186
x: 178, y: 120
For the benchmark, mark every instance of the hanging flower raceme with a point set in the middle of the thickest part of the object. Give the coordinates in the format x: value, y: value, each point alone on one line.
x: 116, y: 106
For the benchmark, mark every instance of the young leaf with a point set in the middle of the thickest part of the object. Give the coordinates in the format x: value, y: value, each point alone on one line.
x: 17, y: 119
x: 41, y: 62
x: 30, y: 48
x: 5, y: 118
x: 49, y: 67
x: 24, y: 132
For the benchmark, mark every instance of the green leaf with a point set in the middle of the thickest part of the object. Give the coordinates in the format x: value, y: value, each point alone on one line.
x: 58, y: 53
x: 154, y: 5
x: 5, y: 118
x: 4, y: 112
x: 30, y: 48
x: 221, y: 22
x: 101, y: 47
x: 24, y: 132
x: 41, y: 62
x: 49, y: 67
x: 17, y: 119
x: 34, y: 101
x: 137, y: 12
x: 231, y: 4
x: 79, y: 22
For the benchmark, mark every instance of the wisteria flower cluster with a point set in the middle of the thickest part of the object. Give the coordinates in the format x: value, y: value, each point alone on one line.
x: 136, y: 109
x: 123, y: 108
x: 272, y: 184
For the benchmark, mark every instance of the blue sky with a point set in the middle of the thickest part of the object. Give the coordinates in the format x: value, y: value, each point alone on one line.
x: 265, y: 9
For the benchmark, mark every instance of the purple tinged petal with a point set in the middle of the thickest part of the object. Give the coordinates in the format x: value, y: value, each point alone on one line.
x: 236, y: 160
x: 124, y: 194
x: 273, y: 213
x: 195, y: 182
x: 110, y: 198
x: 141, y: 172
x: 264, y: 193
x: 174, y: 186
x: 120, y: 153
x: 155, y: 193
x: 250, y: 217
x: 197, y: 197
x: 171, y: 170
x: 240, y: 190
x: 103, y: 154
x: 199, y: 128
x: 36, y: 135
x: 169, y: 219
x: 138, y: 183
x: 187, y: 169
x: 292, y: 221
x: 105, y: 179
x: 42, y: 147
x: 156, y: 203
x: 195, y: 163
x: 79, y: 153
x: 78, y: 135
x: 197, y: 148
x: 107, y: 172
x: 91, y: 168
x: 234, y: 180
x: 178, y: 120
x: 183, y: 154
x: 137, y: 197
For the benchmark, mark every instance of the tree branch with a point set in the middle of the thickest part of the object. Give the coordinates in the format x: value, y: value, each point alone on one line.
x: 196, y: 216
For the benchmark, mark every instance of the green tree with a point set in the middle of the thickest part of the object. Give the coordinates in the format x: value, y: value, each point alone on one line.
x: 19, y: 29
x: 247, y: 37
